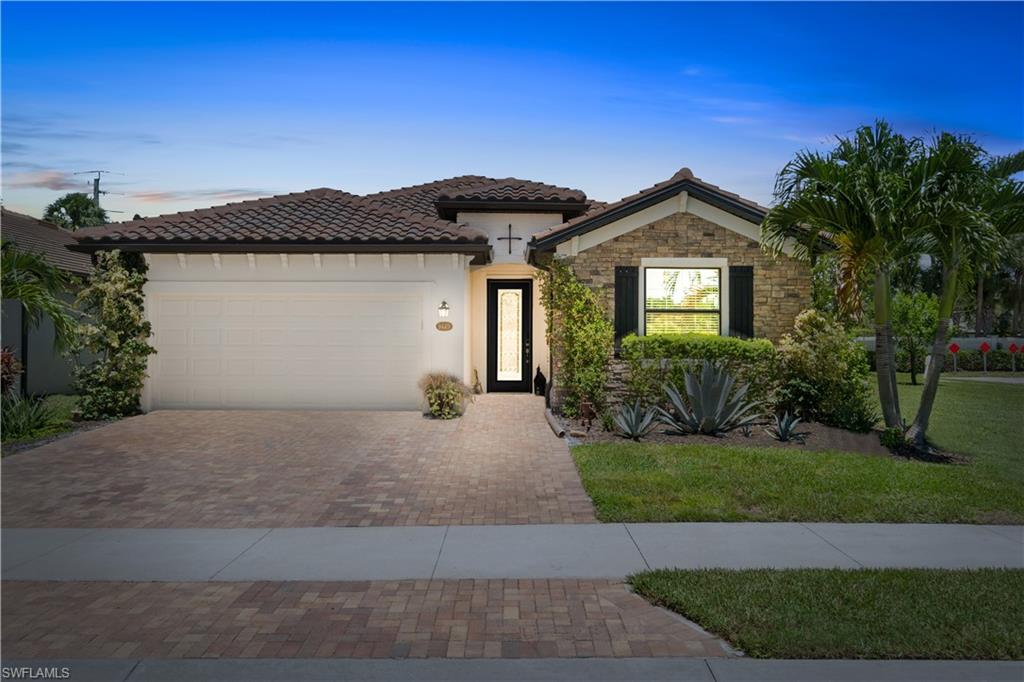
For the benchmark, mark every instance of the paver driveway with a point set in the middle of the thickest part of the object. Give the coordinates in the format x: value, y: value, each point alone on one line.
x: 499, y: 464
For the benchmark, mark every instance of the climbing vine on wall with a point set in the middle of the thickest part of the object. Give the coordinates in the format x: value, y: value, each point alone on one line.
x: 579, y: 337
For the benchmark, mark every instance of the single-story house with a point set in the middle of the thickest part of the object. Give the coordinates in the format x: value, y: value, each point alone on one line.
x: 325, y: 299
x: 45, y: 370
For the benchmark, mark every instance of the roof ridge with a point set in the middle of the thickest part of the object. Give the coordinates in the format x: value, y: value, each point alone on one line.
x: 43, y: 223
x: 423, y: 185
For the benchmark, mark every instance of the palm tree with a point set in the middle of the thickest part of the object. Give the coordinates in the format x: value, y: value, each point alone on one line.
x: 28, y: 278
x: 972, y: 209
x: 75, y: 210
x: 859, y: 199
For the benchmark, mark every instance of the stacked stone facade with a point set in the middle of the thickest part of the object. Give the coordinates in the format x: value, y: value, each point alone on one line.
x: 782, y: 285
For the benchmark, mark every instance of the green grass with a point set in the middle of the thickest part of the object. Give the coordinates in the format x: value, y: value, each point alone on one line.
x: 63, y: 407
x: 630, y: 482
x: 864, y: 613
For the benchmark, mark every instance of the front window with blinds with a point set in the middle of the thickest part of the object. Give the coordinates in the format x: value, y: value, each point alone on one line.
x: 682, y: 301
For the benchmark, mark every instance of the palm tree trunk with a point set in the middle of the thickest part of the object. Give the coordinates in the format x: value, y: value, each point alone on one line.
x: 885, y: 365
x: 979, y: 306
x: 918, y: 430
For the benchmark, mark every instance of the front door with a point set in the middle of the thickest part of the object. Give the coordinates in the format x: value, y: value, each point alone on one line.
x: 509, y: 331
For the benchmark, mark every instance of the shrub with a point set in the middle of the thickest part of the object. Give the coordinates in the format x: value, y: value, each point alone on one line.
x: 23, y: 417
x: 824, y: 375
x: 712, y: 406
x: 445, y: 395
x: 117, y: 335
x: 666, y: 359
x: 634, y: 422
x: 579, y: 337
x: 893, y: 438
x: 10, y: 370
x: 784, y: 429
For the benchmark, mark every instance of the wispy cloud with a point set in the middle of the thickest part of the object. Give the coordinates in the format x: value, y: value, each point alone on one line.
x: 37, y: 128
x: 735, y: 120
x: 693, y: 71
x: 223, y: 194
x: 45, y: 179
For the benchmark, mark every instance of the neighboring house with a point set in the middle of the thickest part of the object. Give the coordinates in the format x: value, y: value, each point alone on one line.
x: 45, y: 369
x: 328, y: 299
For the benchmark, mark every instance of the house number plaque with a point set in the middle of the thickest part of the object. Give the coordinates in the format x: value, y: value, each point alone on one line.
x: 443, y: 326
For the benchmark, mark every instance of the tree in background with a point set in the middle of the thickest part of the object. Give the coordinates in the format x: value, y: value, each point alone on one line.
x: 972, y: 209
x: 28, y: 278
x: 859, y: 199
x: 75, y: 210
x: 914, y: 318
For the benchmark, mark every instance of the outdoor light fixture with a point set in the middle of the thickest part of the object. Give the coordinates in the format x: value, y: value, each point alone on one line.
x: 442, y: 310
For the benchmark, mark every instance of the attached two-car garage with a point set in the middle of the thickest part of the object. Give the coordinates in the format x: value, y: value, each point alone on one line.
x: 286, y: 345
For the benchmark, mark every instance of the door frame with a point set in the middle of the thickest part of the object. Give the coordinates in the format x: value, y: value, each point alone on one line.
x: 525, y: 385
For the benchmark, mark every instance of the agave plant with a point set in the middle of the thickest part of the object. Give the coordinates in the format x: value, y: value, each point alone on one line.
x: 784, y: 429
x: 634, y: 422
x: 712, y: 407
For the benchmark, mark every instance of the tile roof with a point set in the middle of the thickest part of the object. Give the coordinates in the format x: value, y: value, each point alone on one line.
x: 684, y: 177
x: 315, y: 216
x: 39, y: 236
x: 514, y: 189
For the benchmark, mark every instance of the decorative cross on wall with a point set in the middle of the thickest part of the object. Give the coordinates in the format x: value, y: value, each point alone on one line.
x: 510, y: 238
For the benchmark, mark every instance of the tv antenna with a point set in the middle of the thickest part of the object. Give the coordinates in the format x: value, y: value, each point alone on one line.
x: 96, y: 191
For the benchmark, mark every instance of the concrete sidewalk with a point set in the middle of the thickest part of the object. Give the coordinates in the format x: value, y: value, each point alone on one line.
x: 583, y: 670
x: 526, y: 551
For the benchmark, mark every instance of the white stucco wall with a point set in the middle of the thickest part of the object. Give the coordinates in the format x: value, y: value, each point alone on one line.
x: 524, y: 226
x: 436, y: 277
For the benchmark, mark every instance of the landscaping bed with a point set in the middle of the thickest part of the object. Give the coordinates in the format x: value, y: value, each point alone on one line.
x: 63, y: 407
x: 839, y: 613
x: 819, y: 437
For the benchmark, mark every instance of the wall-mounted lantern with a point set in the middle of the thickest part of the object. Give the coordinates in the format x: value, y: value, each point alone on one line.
x: 442, y: 310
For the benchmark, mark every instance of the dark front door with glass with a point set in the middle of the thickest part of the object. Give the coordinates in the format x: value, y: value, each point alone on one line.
x: 509, y: 331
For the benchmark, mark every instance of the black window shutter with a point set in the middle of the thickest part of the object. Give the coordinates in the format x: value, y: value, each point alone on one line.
x: 626, y: 299
x: 741, y: 301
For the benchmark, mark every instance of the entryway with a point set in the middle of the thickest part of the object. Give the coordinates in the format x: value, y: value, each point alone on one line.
x: 509, y: 335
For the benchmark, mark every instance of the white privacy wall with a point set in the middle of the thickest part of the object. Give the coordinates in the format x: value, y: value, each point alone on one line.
x: 429, y: 278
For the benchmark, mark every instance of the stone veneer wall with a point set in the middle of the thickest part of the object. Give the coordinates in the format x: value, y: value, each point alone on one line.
x: 782, y: 285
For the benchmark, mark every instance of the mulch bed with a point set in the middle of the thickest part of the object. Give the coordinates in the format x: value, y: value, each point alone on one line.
x: 819, y: 438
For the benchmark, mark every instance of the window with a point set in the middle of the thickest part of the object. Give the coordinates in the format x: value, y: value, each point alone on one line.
x: 682, y: 301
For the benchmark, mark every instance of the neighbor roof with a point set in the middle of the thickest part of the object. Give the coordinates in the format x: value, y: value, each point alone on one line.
x: 39, y: 236
x: 683, y: 180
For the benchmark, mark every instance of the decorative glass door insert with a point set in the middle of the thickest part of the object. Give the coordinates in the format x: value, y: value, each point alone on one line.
x: 510, y: 334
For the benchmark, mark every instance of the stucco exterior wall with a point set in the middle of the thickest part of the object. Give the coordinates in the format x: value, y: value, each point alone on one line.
x: 782, y: 285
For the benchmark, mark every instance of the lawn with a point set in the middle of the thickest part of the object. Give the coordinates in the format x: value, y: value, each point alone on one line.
x: 864, y: 613
x: 630, y: 482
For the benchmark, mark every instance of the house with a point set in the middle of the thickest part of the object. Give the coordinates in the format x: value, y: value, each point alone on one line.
x: 325, y: 299
x: 45, y: 370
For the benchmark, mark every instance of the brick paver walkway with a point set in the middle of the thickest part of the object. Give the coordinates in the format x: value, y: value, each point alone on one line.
x: 451, y: 618
x: 499, y: 464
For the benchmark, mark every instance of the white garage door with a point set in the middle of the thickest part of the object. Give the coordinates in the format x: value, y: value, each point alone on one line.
x: 279, y: 349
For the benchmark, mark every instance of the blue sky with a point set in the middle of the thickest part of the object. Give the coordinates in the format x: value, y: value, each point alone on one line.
x: 199, y: 104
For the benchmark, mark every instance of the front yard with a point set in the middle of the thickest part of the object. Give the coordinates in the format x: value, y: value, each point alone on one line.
x: 642, y: 482
x: 835, y: 613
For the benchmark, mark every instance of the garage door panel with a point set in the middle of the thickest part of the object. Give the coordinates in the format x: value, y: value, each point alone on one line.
x: 280, y: 349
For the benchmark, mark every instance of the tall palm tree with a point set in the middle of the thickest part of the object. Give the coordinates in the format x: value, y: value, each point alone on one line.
x: 972, y: 209
x: 29, y: 279
x: 859, y: 198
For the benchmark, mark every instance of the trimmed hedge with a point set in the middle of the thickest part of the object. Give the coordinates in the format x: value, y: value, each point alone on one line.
x: 656, y: 360
x: 969, y: 360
